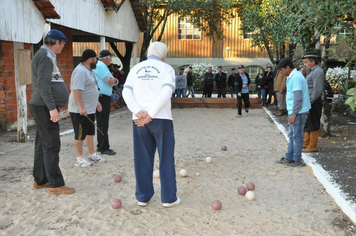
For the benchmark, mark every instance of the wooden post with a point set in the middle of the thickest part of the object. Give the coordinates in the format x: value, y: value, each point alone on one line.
x: 20, y: 96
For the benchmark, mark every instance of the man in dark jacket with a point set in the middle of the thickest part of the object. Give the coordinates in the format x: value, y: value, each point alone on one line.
x: 231, y: 82
x: 270, y: 81
x: 190, y: 82
x: 220, y: 79
x: 243, y: 81
x: 208, y: 83
x: 49, y: 93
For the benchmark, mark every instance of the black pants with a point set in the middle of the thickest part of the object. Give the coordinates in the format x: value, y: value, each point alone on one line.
x: 221, y: 92
x: 103, y: 123
x: 313, y: 120
x: 271, y: 93
x: 208, y: 90
x: 246, y: 98
x: 47, y: 147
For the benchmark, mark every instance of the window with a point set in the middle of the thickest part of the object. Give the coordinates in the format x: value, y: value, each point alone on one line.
x: 186, y: 30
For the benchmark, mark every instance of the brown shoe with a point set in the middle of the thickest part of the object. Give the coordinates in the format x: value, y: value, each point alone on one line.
x: 61, y: 190
x: 36, y: 186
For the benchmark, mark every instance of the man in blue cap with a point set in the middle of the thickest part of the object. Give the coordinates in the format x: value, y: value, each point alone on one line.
x: 49, y: 93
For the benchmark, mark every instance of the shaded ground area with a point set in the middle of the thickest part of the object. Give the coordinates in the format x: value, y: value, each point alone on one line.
x: 337, y: 154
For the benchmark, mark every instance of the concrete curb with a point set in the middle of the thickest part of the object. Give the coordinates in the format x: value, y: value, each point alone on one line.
x: 324, y: 178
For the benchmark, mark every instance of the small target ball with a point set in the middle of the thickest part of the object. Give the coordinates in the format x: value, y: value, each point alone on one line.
x: 216, y: 204
x: 197, y: 174
x: 250, y: 186
x: 208, y: 160
x: 117, y: 178
x: 156, y: 174
x: 241, y: 190
x: 250, y: 195
x: 183, y: 173
x: 116, y: 203
x: 223, y: 148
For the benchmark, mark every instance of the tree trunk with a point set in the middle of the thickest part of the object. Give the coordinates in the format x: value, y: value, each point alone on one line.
x: 326, y: 114
x: 145, y: 43
x: 126, y: 59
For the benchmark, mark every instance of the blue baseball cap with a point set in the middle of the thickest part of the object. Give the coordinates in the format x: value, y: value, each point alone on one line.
x: 56, y: 34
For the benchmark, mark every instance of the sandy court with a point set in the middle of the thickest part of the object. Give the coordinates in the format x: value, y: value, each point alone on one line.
x: 289, y: 201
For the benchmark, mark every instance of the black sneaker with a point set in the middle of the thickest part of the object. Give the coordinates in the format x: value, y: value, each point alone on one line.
x: 246, y: 109
x: 295, y: 164
x: 283, y: 161
x: 109, y: 152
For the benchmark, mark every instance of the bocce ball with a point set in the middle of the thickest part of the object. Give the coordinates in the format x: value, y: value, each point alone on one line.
x: 250, y: 186
x: 156, y: 174
x: 197, y: 174
x: 216, y: 204
x: 116, y: 203
x: 117, y: 178
x: 208, y: 160
x: 250, y: 195
x: 183, y: 173
x: 241, y: 190
x: 223, y: 148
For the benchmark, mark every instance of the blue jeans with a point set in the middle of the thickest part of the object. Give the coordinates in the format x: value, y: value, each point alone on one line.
x: 191, y: 91
x: 262, y: 93
x: 181, y: 92
x: 158, y: 134
x: 114, y: 98
x: 296, y: 135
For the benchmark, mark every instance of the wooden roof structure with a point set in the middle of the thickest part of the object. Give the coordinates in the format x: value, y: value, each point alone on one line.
x: 47, y: 9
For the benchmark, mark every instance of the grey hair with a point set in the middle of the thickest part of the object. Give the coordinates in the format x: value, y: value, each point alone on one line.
x: 103, y: 58
x: 51, y: 41
x: 157, y: 49
x: 311, y: 59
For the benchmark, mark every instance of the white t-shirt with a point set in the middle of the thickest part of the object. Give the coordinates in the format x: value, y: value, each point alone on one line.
x: 149, y: 87
x: 84, y: 80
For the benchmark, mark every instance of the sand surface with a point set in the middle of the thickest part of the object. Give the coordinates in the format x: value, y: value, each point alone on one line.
x: 289, y: 201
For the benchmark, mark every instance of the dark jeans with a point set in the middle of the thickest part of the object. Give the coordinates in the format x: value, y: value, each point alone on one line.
x: 271, y: 93
x: 246, y: 98
x: 47, y: 147
x: 232, y: 91
x: 103, y: 123
x: 313, y: 121
x: 158, y: 134
x: 221, y: 92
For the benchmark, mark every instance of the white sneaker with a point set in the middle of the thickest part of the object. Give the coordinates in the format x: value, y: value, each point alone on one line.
x: 82, y: 162
x: 142, y: 204
x: 173, y: 204
x: 96, y: 158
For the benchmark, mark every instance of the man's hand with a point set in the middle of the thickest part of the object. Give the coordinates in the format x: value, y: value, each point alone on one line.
x: 54, y: 115
x: 244, y: 86
x: 259, y: 86
x: 292, y: 119
x: 281, y: 91
x: 239, y: 94
x: 142, y: 119
x: 83, y: 111
x: 99, y: 107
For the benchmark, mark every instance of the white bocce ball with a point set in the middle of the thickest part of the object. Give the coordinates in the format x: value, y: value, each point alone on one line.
x: 208, y: 160
x: 227, y: 48
x: 250, y: 195
x: 183, y: 173
x: 197, y: 174
x: 156, y: 174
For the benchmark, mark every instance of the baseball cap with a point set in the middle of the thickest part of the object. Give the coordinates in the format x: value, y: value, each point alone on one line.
x: 241, y: 66
x: 88, y: 53
x: 57, y: 35
x: 105, y: 53
x: 284, y: 62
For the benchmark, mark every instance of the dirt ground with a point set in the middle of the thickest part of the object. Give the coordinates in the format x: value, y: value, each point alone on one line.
x: 337, y: 154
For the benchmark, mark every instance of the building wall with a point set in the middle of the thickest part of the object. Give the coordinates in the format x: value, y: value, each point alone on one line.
x: 8, y: 102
